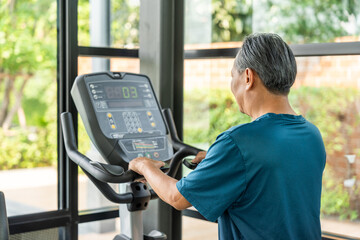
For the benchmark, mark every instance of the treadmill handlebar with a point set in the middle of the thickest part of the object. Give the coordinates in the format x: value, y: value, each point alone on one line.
x: 101, y: 173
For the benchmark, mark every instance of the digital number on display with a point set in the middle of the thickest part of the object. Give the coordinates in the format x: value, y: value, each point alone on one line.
x: 121, y: 92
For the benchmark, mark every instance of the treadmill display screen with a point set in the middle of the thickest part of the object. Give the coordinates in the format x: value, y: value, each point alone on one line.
x: 124, y: 104
x: 124, y: 92
x: 126, y: 115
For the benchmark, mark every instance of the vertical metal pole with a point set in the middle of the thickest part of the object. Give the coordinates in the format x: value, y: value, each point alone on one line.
x: 161, y: 58
x: 68, y: 53
x: 150, y: 42
x: 131, y: 223
x: 99, y: 37
x: 149, y: 54
x: 61, y: 105
x: 178, y: 96
x: 100, y: 31
x: 61, y: 93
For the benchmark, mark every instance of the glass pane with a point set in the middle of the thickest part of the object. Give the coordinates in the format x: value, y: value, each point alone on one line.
x: 28, y: 146
x: 207, y: 97
x: 89, y: 196
x: 114, y: 25
x: 105, y: 229
x: 194, y: 229
x: 297, y: 22
x: 52, y: 233
x: 326, y: 92
x: 93, y: 64
x: 308, y: 21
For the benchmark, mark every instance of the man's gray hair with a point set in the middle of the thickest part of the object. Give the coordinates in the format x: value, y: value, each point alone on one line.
x: 271, y: 58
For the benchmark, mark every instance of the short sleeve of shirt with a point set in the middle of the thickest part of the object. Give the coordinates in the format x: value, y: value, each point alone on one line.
x: 218, y: 181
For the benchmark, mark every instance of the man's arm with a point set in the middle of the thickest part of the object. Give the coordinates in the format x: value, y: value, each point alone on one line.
x: 163, y: 185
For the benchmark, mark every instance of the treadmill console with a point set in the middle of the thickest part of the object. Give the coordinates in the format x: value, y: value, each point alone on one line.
x: 122, y: 116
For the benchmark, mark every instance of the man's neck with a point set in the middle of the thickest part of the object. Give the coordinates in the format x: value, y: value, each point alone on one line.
x: 270, y: 103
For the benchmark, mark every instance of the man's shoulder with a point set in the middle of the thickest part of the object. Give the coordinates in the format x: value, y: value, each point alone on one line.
x: 269, y: 125
x: 242, y: 129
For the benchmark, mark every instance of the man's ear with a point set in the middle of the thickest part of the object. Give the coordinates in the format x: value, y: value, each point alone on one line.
x: 249, y: 78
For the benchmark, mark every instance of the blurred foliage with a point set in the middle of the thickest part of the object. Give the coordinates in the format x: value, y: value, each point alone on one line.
x: 34, y: 146
x: 84, y: 22
x: 335, y: 199
x: 296, y: 21
x: 332, y: 110
x: 27, y: 47
x: 231, y: 20
x: 125, y: 17
x: 308, y: 21
x: 124, y: 23
x: 27, y: 40
x: 28, y: 56
x: 208, y: 112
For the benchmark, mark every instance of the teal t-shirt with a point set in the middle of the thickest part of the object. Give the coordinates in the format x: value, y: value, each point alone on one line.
x: 262, y: 180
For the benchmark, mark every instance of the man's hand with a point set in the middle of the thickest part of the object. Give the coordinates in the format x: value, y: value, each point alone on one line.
x: 199, y: 157
x: 163, y: 185
x: 141, y: 163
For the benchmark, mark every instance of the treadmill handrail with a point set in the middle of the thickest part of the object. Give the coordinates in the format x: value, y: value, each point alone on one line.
x: 100, y: 171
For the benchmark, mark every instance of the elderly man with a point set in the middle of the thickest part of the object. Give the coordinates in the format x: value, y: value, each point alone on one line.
x: 260, y: 180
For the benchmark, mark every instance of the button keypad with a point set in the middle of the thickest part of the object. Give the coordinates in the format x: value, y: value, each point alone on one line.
x: 132, y: 122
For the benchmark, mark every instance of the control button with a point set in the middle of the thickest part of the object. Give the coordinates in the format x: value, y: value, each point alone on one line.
x: 149, y: 113
x: 98, y: 104
x: 132, y: 122
x: 109, y: 115
x: 156, y: 154
x: 148, y: 155
x: 113, y: 126
x: 153, y: 124
x: 140, y: 155
x: 103, y: 104
x: 92, y: 85
x: 147, y: 103
x: 95, y: 97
